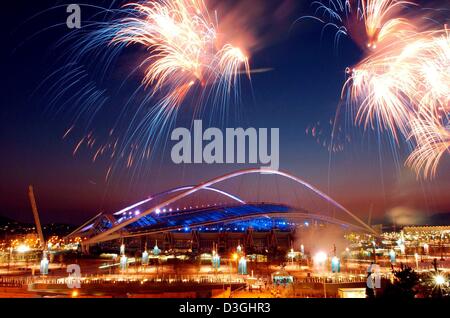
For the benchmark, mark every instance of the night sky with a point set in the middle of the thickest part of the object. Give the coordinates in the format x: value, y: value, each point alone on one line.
x: 302, y: 88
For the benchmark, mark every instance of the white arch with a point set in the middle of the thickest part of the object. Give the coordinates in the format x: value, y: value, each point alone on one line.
x: 229, y: 195
x: 228, y: 176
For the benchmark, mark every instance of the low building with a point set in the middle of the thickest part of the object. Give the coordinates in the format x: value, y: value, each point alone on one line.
x: 352, y: 292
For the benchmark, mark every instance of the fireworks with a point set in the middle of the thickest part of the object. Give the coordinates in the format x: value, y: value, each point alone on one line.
x: 183, y: 48
x: 379, y: 20
x: 382, y: 23
x: 184, y: 60
x: 402, y: 86
x: 433, y: 141
x: 406, y: 89
x: 328, y: 135
x: 188, y: 57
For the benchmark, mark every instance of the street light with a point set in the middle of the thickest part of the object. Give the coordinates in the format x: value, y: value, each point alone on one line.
x: 426, y: 248
x: 291, y: 255
x: 23, y: 248
x: 439, y: 280
x: 215, y: 261
x: 335, y: 265
x: 319, y: 260
x: 320, y: 257
x: 392, y: 256
x: 242, y: 266
x: 44, y: 264
x: 402, y: 249
x: 416, y: 257
x: 145, y: 258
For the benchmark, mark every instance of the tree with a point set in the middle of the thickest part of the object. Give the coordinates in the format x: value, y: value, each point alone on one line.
x: 405, y: 285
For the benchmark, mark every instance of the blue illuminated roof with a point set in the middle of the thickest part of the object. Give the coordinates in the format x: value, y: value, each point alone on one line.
x: 219, y: 219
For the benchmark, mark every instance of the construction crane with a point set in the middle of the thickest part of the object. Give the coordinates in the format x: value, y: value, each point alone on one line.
x: 36, y: 216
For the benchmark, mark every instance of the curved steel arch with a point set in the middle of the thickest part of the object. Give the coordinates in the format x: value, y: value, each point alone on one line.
x: 228, y: 176
x: 225, y: 193
x: 174, y: 190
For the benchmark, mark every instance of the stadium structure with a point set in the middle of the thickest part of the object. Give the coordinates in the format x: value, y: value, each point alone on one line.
x: 169, y: 221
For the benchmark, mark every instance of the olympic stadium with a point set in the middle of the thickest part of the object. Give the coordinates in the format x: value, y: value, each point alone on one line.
x: 184, y: 219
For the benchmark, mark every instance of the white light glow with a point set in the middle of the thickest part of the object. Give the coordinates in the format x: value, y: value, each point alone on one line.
x: 23, y: 248
x: 320, y: 257
x: 439, y: 280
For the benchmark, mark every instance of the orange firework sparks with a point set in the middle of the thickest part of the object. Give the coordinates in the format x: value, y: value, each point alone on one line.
x: 410, y: 77
x: 433, y: 141
x: 406, y: 88
x: 403, y: 85
x: 184, y: 49
x: 382, y: 23
x: 372, y: 24
x: 188, y: 59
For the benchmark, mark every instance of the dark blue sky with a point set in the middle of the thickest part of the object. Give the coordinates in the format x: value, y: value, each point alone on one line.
x: 302, y: 89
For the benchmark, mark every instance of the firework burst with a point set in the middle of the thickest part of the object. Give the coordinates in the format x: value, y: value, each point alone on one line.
x: 372, y: 24
x: 382, y: 23
x: 403, y: 84
x: 406, y: 89
x: 401, y: 81
x: 329, y: 135
x: 184, y: 59
x: 183, y: 48
x: 433, y: 141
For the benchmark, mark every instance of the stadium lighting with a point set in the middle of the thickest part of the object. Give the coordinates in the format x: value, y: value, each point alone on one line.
x: 23, y: 248
x: 320, y: 257
x: 439, y: 280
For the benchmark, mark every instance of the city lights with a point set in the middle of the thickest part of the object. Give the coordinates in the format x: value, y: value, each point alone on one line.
x: 145, y: 133
x: 439, y: 280
x: 242, y: 266
x: 320, y: 258
x: 145, y: 258
x: 335, y: 265
x: 23, y: 248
